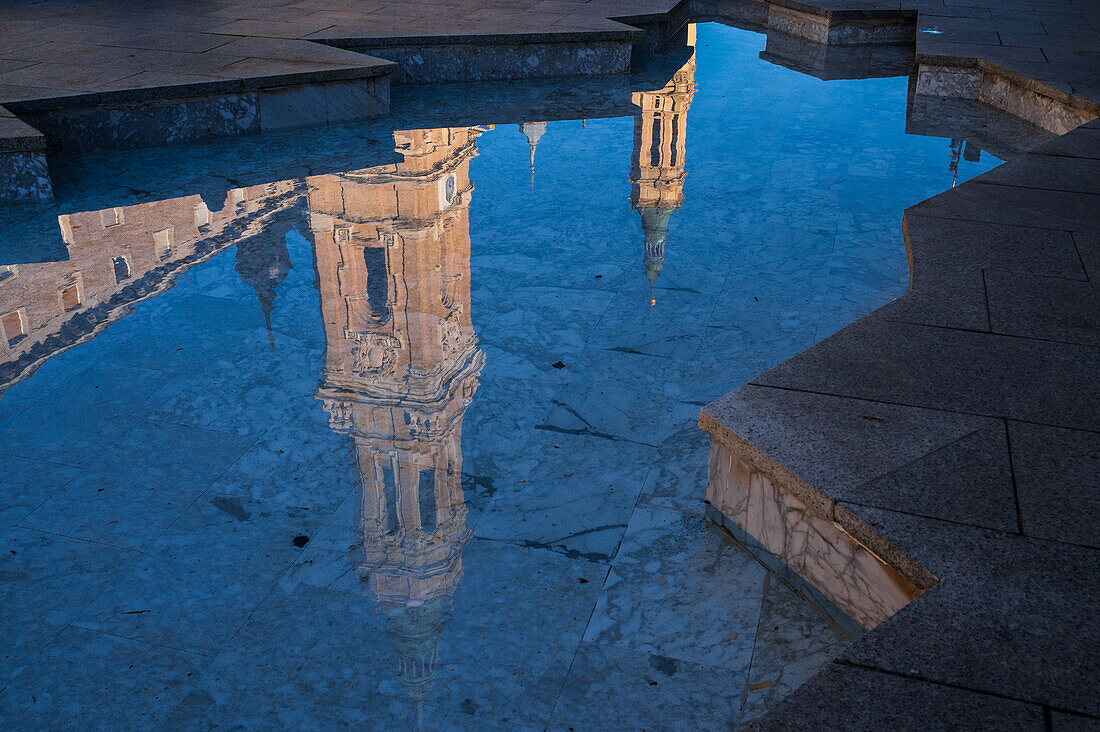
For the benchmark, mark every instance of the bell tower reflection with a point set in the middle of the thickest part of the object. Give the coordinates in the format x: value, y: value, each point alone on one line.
x: 657, y: 171
x: 393, y: 260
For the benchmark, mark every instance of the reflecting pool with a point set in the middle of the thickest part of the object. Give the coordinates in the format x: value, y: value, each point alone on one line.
x: 392, y: 425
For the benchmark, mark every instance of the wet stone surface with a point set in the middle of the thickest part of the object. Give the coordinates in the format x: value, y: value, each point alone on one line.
x: 392, y: 424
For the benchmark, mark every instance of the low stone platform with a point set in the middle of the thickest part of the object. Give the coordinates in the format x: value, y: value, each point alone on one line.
x: 93, y: 75
x: 933, y: 469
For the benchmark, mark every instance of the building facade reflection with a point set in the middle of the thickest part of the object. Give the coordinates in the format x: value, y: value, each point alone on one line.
x: 120, y: 256
x: 657, y: 169
x: 392, y: 248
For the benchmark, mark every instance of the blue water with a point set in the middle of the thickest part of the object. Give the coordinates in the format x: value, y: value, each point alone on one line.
x: 356, y: 426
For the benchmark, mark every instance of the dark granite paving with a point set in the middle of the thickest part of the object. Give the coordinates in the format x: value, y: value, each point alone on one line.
x: 1001, y: 327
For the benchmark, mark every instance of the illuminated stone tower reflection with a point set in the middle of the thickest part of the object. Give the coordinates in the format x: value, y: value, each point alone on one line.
x: 657, y: 171
x: 393, y: 261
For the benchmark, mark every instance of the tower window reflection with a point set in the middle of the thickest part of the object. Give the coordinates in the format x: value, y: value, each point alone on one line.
x: 15, y: 327
x: 162, y: 242
x: 70, y: 298
x: 122, y: 269
x: 427, y: 501
x: 378, y: 286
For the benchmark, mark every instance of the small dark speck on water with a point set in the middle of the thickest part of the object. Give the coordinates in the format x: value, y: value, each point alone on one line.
x: 558, y: 364
x: 582, y: 580
x: 301, y: 540
x: 599, y: 277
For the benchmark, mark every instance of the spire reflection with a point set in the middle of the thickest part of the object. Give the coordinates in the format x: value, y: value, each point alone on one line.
x: 657, y: 166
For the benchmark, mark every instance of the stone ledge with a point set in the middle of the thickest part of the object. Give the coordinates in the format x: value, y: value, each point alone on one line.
x: 360, y: 43
x: 18, y: 136
x: 1039, y: 103
x: 24, y: 177
x: 501, y: 61
x: 371, y: 69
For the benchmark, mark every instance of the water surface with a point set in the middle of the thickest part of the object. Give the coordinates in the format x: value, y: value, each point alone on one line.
x: 392, y: 424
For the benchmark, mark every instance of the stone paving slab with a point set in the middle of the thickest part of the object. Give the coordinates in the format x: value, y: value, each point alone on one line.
x: 835, y: 696
x: 952, y: 370
x: 1001, y: 598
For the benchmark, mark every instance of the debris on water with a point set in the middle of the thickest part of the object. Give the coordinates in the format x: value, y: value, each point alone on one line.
x: 558, y: 364
x: 301, y: 540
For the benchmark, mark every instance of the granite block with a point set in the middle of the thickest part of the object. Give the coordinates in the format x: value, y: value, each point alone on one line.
x: 828, y: 444
x: 1002, y: 597
x: 986, y: 245
x: 292, y: 106
x: 158, y: 123
x: 868, y: 700
x: 1044, y: 308
x: 942, y: 296
x: 968, y: 481
x: 1054, y: 172
x: 1063, y: 722
x: 1087, y: 240
x: 948, y: 81
x: 1058, y: 480
x: 960, y: 371
x: 1082, y: 142
x: 484, y: 61
x: 24, y: 177
x: 18, y: 136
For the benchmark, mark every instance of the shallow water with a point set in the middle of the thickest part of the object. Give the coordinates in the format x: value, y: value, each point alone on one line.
x: 393, y: 424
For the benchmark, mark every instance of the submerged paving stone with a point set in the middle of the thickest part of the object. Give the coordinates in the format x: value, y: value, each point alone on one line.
x: 28, y: 484
x: 606, y: 682
x: 681, y: 613
x: 791, y: 646
x: 91, y: 679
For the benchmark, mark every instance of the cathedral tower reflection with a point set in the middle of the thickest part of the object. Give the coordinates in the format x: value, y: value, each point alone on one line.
x: 392, y: 251
x: 657, y: 171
